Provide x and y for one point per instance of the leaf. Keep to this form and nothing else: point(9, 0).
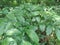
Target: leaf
point(11, 17)
point(42, 27)
point(12, 32)
point(21, 19)
point(34, 28)
point(49, 30)
point(25, 43)
point(8, 26)
point(38, 19)
point(2, 27)
point(33, 36)
point(9, 41)
point(58, 34)
point(4, 11)
point(57, 42)
point(35, 13)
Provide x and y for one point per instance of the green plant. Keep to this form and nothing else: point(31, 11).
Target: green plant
point(29, 24)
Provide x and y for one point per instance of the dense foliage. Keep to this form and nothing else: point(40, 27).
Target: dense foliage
point(29, 22)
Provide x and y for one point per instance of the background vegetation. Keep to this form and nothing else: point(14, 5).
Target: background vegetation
point(29, 22)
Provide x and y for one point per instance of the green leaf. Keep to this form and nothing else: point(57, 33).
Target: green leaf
point(57, 42)
point(11, 17)
point(35, 13)
point(34, 28)
point(25, 43)
point(58, 34)
point(38, 19)
point(49, 30)
point(42, 27)
point(33, 36)
point(8, 26)
point(4, 11)
point(12, 32)
point(2, 27)
point(9, 41)
point(21, 19)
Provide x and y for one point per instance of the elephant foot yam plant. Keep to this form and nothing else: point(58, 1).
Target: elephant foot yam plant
point(29, 24)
